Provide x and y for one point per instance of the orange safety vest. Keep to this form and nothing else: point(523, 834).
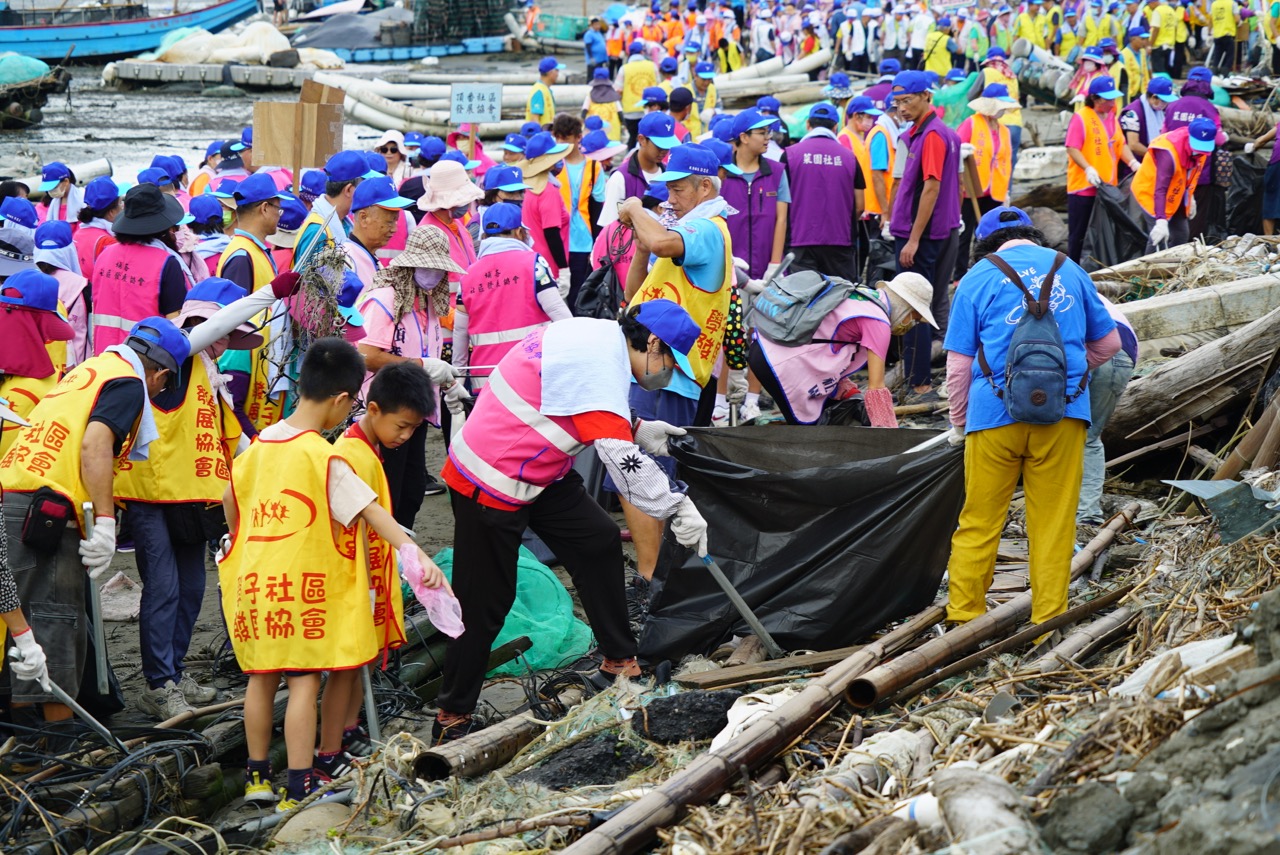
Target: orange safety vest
point(1101, 150)
point(870, 196)
point(1144, 183)
point(590, 173)
point(613, 44)
point(653, 33)
point(995, 166)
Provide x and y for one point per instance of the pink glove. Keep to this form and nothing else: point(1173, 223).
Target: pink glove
point(846, 389)
point(442, 607)
point(879, 404)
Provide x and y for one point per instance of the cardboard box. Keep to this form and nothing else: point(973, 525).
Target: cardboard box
point(301, 135)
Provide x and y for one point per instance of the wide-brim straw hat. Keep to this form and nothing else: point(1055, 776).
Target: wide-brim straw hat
point(427, 248)
point(448, 187)
point(992, 106)
point(539, 165)
point(915, 290)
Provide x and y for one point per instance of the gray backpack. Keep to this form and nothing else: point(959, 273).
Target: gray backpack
point(791, 308)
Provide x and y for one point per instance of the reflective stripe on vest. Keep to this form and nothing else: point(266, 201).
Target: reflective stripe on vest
point(995, 166)
point(126, 289)
point(504, 336)
point(1101, 150)
point(499, 296)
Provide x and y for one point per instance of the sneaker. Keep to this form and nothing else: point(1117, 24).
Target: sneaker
point(286, 804)
point(357, 742)
point(720, 416)
point(434, 487)
point(125, 546)
point(257, 789)
point(447, 728)
point(194, 692)
point(325, 769)
point(164, 703)
point(748, 413)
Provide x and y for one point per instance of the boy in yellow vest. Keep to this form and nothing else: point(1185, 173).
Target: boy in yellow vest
point(293, 595)
point(541, 104)
point(398, 401)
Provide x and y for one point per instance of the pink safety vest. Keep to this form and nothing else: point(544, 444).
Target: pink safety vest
point(461, 250)
point(809, 374)
point(71, 294)
point(502, 308)
point(87, 241)
point(399, 240)
point(507, 448)
point(361, 261)
point(185, 198)
point(126, 289)
point(42, 215)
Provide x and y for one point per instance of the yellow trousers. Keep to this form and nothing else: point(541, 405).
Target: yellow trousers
point(1050, 459)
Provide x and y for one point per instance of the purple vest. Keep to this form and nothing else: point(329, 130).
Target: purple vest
point(751, 229)
point(946, 212)
point(633, 177)
point(879, 93)
point(821, 174)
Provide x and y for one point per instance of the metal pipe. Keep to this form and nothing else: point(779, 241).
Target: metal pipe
point(882, 681)
point(370, 706)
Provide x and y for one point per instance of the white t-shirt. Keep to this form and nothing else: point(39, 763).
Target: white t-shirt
point(348, 495)
point(920, 26)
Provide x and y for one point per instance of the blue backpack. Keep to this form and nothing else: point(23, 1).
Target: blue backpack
point(1035, 367)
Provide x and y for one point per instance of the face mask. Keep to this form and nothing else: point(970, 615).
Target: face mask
point(655, 380)
point(426, 278)
point(459, 212)
point(900, 320)
point(58, 192)
point(226, 218)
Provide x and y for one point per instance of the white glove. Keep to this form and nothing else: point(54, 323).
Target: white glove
point(29, 660)
point(1159, 232)
point(771, 271)
point(741, 264)
point(1091, 175)
point(707, 114)
point(224, 546)
point(1249, 148)
point(737, 392)
point(1191, 208)
point(562, 283)
point(1079, 99)
point(441, 373)
point(689, 527)
point(652, 437)
point(966, 149)
point(955, 437)
point(961, 227)
point(1191, 42)
point(884, 231)
point(98, 550)
point(454, 396)
point(753, 286)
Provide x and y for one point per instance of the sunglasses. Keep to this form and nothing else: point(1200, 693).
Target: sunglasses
point(387, 149)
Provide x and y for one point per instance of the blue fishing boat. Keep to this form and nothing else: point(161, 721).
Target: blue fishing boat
point(101, 32)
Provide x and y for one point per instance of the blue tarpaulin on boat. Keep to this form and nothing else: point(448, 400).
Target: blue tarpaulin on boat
point(16, 68)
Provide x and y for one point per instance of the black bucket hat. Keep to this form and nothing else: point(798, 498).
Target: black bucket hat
point(147, 211)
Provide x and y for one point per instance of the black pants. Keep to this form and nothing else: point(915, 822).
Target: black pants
point(917, 344)
point(829, 259)
point(1162, 60)
point(1079, 212)
point(965, 241)
point(858, 62)
point(633, 131)
point(406, 469)
point(579, 270)
point(1224, 54)
point(485, 547)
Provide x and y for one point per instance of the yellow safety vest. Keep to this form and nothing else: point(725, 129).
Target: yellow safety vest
point(1164, 26)
point(292, 596)
point(608, 114)
point(693, 122)
point(261, 409)
point(709, 309)
point(936, 56)
point(23, 393)
point(1026, 27)
point(1067, 42)
point(548, 105)
point(372, 552)
point(995, 166)
point(1093, 32)
point(1223, 15)
point(47, 454)
point(191, 460)
point(1137, 70)
point(636, 77)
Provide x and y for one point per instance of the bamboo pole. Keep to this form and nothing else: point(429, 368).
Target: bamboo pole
point(882, 681)
point(1247, 448)
point(1083, 639)
point(708, 774)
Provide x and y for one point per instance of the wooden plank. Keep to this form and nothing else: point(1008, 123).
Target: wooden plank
point(765, 671)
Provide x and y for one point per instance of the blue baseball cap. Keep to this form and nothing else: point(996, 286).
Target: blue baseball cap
point(53, 234)
point(1162, 88)
point(890, 66)
point(245, 141)
point(657, 190)
point(1091, 53)
point(1069, 12)
point(1004, 217)
point(749, 120)
point(313, 183)
point(669, 65)
point(19, 211)
point(600, 73)
point(380, 191)
point(653, 95)
point(636, 47)
point(154, 175)
point(258, 187)
point(1139, 33)
point(690, 159)
point(509, 179)
point(724, 153)
point(550, 63)
point(514, 143)
point(659, 129)
point(944, 21)
point(528, 129)
point(292, 213)
point(597, 146)
point(1108, 44)
point(205, 207)
point(1202, 134)
point(374, 162)
point(159, 340)
point(722, 128)
point(705, 70)
point(348, 166)
point(768, 104)
point(217, 290)
point(593, 123)
point(543, 143)
point(432, 148)
point(1200, 73)
point(910, 82)
point(213, 148)
point(862, 104)
point(458, 157)
point(100, 193)
point(956, 74)
point(692, 47)
point(32, 289)
point(174, 162)
point(226, 188)
point(413, 139)
point(52, 175)
point(1105, 87)
point(999, 92)
point(995, 53)
point(823, 110)
point(670, 323)
point(500, 218)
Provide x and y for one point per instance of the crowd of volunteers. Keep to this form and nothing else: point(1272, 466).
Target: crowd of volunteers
point(612, 274)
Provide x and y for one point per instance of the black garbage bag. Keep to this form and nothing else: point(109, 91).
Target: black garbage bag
point(1113, 235)
point(827, 532)
point(1244, 197)
point(882, 261)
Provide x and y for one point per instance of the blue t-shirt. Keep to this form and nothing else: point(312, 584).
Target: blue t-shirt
point(594, 47)
point(879, 149)
point(986, 309)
